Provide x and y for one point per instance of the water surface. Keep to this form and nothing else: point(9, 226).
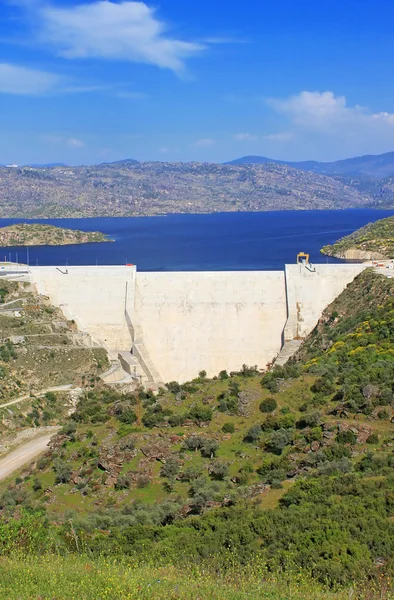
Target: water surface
point(221, 241)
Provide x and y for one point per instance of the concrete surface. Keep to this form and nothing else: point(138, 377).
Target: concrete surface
point(177, 324)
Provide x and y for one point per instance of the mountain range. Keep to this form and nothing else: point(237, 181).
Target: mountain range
point(252, 183)
point(370, 166)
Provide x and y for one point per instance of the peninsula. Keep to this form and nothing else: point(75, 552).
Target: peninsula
point(36, 234)
point(375, 240)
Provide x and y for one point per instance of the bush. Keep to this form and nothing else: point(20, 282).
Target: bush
point(37, 485)
point(200, 413)
point(170, 468)
point(62, 471)
point(268, 405)
point(218, 470)
point(253, 435)
point(279, 440)
point(228, 428)
point(223, 375)
point(209, 448)
point(373, 438)
point(128, 417)
point(347, 437)
point(383, 414)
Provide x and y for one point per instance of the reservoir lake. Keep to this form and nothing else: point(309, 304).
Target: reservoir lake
point(220, 241)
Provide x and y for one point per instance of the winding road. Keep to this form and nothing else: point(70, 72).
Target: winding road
point(24, 454)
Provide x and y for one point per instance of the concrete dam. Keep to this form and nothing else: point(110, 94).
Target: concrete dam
point(171, 325)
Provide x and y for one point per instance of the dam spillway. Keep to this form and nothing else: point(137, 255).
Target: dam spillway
point(176, 324)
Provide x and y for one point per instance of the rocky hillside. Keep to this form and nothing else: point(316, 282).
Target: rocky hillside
point(375, 240)
point(292, 468)
point(35, 234)
point(39, 350)
point(129, 188)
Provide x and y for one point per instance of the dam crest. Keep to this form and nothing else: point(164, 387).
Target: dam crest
point(168, 326)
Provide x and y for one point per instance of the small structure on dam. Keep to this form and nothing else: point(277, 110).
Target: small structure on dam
point(169, 326)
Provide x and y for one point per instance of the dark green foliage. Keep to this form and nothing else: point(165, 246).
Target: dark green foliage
point(218, 470)
point(128, 417)
point(324, 385)
point(268, 405)
point(373, 438)
point(253, 435)
point(228, 404)
point(279, 440)
point(346, 437)
point(170, 468)
point(223, 375)
point(228, 428)
point(209, 448)
point(173, 386)
point(62, 471)
point(7, 351)
point(199, 412)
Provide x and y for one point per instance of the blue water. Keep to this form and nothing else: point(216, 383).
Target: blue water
point(224, 241)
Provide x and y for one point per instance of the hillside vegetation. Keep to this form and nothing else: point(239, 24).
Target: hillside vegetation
point(290, 472)
point(137, 189)
point(35, 234)
point(375, 240)
point(39, 349)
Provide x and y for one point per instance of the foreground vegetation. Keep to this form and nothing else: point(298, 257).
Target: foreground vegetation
point(36, 234)
point(87, 578)
point(375, 240)
point(286, 477)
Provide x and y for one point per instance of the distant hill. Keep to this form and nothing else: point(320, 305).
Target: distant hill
point(129, 188)
point(369, 166)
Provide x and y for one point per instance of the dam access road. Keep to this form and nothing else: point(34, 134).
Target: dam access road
point(168, 326)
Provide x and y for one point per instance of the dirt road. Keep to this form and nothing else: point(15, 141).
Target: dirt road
point(23, 455)
point(56, 388)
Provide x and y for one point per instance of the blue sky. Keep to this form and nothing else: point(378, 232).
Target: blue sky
point(95, 81)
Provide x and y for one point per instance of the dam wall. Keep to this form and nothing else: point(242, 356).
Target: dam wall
point(195, 321)
point(94, 297)
point(309, 290)
point(179, 323)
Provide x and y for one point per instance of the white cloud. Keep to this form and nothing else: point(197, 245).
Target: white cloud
point(326, 112)
point(29, 82)
point(75, 143)
point(246, 137)
point(279, 137)
point(204, 143)
point(71, 142)
point(128, 31)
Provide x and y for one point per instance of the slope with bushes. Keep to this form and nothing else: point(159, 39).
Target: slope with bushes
point(292, 469)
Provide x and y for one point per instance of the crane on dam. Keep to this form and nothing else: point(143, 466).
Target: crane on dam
point(302, 258)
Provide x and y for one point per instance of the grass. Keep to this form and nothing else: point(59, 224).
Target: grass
point(75, 577)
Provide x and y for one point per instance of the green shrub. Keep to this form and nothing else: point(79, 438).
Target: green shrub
point(268, 405)
point(228, 428)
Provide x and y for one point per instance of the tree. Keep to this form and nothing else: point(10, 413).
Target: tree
point(223, 375)
point(218, 470)
point(268, 405)
point(201, 413)
point(279, 440)
point(62, 471)
point(128, 417)
point(253, 434)
point(170, 468)
point(209, 448)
